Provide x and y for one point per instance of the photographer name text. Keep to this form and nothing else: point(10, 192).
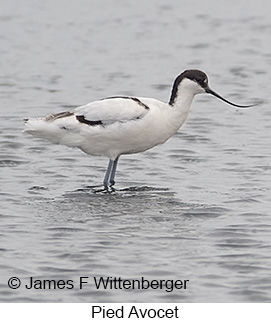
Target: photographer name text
point(99, 283)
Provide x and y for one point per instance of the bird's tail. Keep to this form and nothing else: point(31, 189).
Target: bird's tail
point(39, 127)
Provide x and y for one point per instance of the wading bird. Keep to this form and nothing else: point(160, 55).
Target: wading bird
point(120, 125)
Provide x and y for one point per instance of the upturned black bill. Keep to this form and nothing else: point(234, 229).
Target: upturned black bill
point(210, 91)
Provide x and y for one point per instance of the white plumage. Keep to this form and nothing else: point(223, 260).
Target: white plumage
point(122, 125)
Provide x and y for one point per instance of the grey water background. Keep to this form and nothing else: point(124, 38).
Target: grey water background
point(196, 208)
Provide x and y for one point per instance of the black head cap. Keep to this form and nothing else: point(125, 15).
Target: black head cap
point(193, 75)
point(196, 76)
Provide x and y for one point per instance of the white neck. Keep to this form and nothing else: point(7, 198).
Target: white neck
point(182, 102)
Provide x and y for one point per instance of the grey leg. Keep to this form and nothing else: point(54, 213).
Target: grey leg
point(108, 172)
point(113, 172)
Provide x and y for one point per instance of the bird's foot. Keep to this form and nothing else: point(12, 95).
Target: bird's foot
point(104, 189)
point(107, 188)
point(112, 183)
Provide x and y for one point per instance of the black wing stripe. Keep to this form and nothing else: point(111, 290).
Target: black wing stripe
point(89, 122)
point(129, 98)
